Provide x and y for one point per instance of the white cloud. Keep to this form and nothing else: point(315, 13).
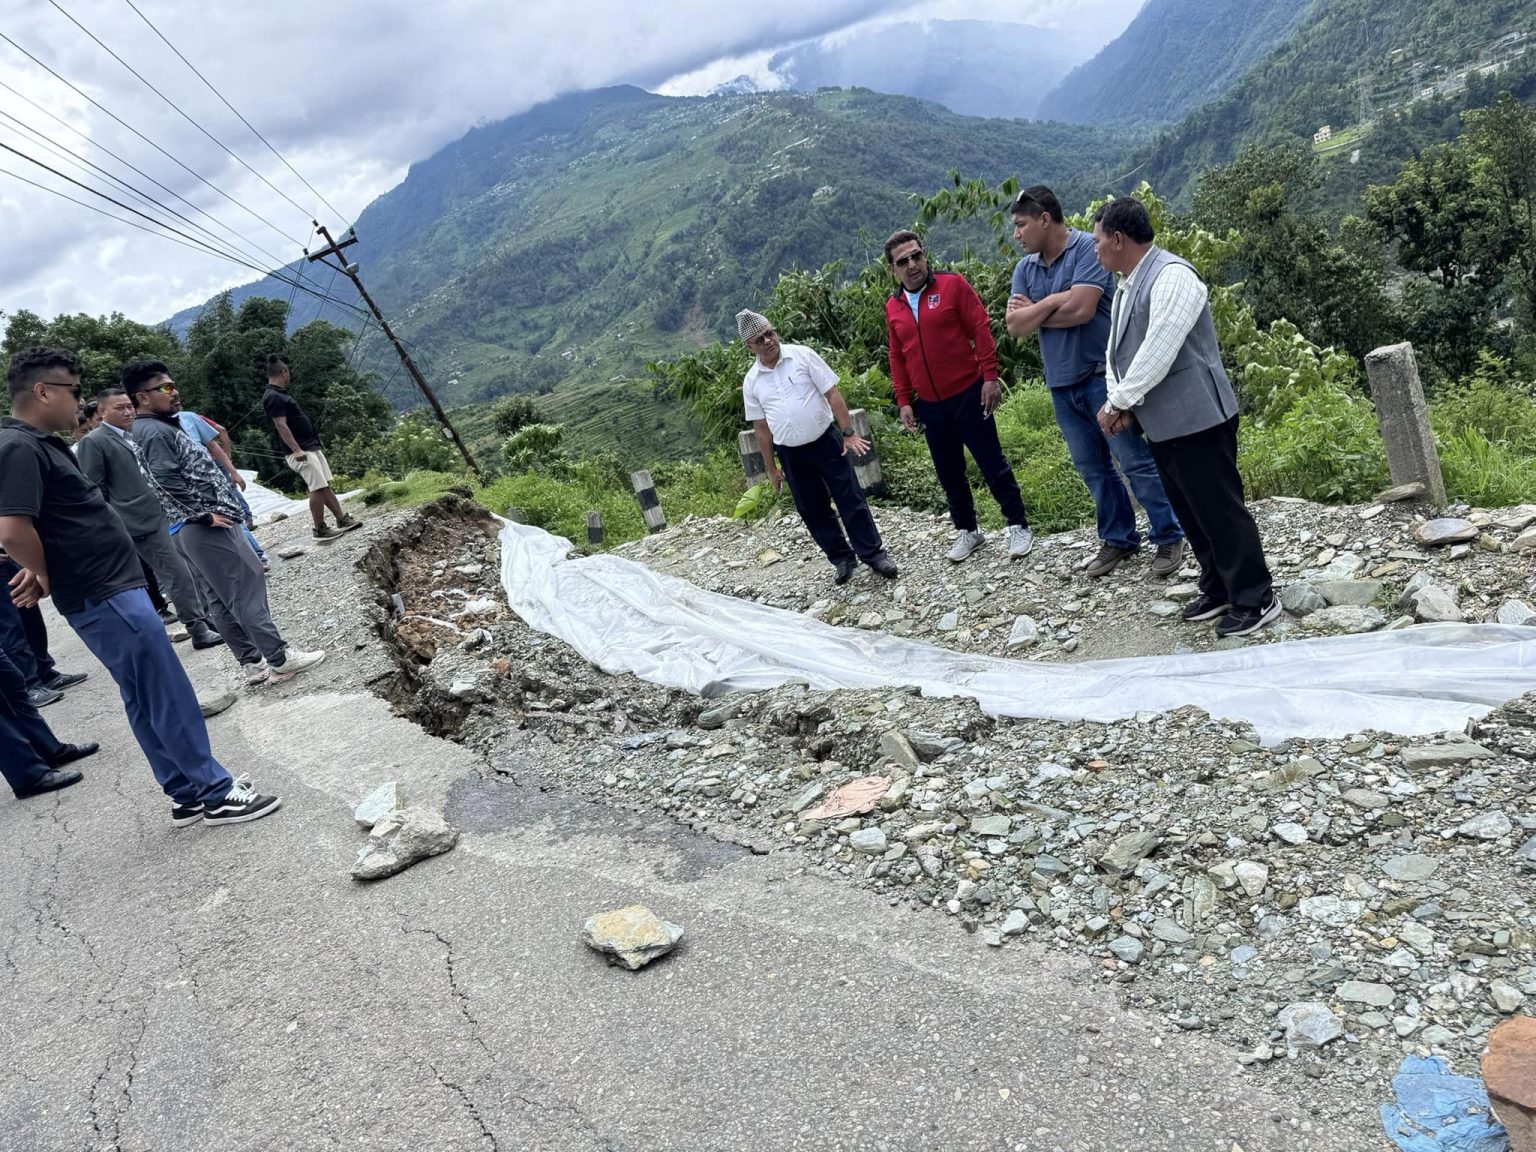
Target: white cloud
point(351, 92)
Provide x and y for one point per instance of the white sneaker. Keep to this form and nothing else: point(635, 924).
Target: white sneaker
point(294, 662)
point(966, 543)
point(256, 673)
point(1021, 538)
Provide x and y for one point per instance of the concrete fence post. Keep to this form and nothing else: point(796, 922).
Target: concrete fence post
point(594, 527)
point(867, 466)
point(650, 504)
point(752, 463)
point(1403, 419)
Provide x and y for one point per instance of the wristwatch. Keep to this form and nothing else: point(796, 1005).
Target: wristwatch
point(847, 432)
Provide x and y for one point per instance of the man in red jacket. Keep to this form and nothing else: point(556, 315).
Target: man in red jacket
point(944, 374)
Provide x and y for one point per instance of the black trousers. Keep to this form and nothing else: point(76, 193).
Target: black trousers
point(26, 743)
point(951, 427)
point(1200, 476)
point(23, 633)
point(819, 475)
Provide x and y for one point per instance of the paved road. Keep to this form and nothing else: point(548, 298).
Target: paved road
point(232, 988)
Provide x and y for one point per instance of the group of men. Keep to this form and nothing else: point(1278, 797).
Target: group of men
point(147, 491)
point(1136, 383)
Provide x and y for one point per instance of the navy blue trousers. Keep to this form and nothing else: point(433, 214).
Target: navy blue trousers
point(126, 634)
point(951, 427)
point(23, 634)
point(819, 475)
point(26, 743)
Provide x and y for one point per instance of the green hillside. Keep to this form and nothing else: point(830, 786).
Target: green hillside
point(1396, 74)
point(560, 250)
point(1173, 57)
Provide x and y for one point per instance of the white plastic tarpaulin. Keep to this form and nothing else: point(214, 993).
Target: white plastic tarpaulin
point(624, 617)
point(267, 505)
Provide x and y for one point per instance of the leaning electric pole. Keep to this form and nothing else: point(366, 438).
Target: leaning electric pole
point(333, 248)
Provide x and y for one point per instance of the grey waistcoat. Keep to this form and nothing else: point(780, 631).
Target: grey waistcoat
point(109, 460)
point(1195, 395)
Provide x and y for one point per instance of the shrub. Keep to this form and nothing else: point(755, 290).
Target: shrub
point(1324, 448)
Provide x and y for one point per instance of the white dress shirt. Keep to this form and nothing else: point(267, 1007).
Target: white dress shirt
point(1177, 298)
point(791, 396)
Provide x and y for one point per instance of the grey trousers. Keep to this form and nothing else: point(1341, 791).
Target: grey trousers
point(236, 590)
point(176, 579)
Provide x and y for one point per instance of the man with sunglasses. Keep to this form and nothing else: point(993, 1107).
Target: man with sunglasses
point(199, 498)
point(797, 414)
point(944, 373)
point(71, 545)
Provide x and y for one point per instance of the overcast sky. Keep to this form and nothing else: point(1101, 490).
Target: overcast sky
point(349, 91)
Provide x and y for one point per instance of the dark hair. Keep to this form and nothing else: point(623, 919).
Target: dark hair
point(88, 410)
point(275, 365)
point(1037, 201)
point(30, 363)
point(1128, 217)
point(138, 373)
point(107, 393)
point(906, 235)
point(81, 419)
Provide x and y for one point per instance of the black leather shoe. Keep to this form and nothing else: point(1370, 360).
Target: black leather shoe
point(69, 753)
point(844, 572)
point(204, 636)
point(52, 781)
point(884, 565)
point(63, 680)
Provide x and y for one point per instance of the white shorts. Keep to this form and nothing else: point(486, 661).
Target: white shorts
point(314, 468)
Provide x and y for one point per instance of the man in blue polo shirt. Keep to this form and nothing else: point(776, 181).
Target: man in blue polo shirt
point(1061, 291)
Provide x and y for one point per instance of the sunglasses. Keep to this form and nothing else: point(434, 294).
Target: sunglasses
point(763, 337)
point(911, 258)
point(74, 389)
point(165, 388)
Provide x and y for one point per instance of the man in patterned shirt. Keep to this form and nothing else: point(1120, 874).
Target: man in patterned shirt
point(197, 496)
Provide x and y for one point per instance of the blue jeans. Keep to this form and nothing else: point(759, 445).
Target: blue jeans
point(126, 634)
point(23, 634)
point(1095, 455)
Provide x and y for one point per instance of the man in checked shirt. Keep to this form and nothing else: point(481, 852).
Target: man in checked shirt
point(1165, 376)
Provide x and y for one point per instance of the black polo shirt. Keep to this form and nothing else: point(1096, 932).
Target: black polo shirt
point(279, 403)
point(90, 554)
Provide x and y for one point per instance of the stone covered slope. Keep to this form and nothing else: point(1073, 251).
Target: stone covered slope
point(1323, 907)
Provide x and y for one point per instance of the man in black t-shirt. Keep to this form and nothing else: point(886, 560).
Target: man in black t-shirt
point(305, 456)
point(71, 545)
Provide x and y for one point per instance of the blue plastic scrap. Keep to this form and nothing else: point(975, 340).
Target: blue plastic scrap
point(1439, 1112)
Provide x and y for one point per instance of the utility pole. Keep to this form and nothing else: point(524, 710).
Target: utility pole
point(334, 248)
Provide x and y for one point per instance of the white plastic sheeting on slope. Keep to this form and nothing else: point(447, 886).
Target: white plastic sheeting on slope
point(266, 504)
point(623, 617)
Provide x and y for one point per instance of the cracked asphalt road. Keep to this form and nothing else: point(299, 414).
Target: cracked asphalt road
point(232, 988)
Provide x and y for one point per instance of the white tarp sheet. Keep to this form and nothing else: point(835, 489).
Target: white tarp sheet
point(623, 617)
point(267, 505)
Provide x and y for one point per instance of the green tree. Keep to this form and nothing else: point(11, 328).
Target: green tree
point(510, 413)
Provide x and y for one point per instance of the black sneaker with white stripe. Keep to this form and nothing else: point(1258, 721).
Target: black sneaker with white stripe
point(241, 806)
point(184, 814)
point(1245, 621)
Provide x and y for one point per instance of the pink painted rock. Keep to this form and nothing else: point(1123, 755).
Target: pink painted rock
point(1509, 1072)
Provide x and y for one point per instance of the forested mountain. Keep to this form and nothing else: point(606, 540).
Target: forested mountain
point(1174, 56)
point(1386, 77)
point(938, 60)
point(567, 246)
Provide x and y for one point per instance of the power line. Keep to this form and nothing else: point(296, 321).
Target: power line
point(139, 171)
point(88, 166)
point(108, 112)
point(200, 244)
point(177, 108)
point(233, 109)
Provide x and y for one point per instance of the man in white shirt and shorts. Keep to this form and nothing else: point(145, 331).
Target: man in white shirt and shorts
point(800, 418)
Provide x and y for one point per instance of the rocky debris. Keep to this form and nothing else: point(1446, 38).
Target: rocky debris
point(1301, 599)
point(1344, 620)
point(631, 937)
point(400, 839)
point(1435, 604)
point(1516, 612)
point(1309, 1025)
point(291, 552)
point(1005, 826)
point(1025, 632)
point(1398, 493)
point(211, 706)
point(1349, 593)
point(379, 803)
point(1447, 530)
point(1509, 1073)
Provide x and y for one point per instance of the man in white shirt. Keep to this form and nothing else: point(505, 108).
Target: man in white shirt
point(797, 413)
point(1165, 375)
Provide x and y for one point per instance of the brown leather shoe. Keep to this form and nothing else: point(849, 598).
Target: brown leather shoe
point(1108, 559)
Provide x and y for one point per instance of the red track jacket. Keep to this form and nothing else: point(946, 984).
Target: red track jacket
point(949, 350)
